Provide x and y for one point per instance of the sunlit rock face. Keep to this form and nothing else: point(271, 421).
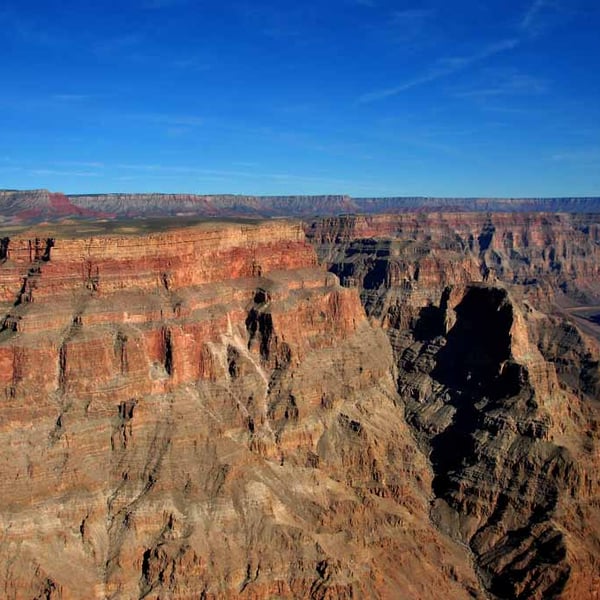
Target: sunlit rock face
point(499, 389)
point(208, 412)
point(205, 413)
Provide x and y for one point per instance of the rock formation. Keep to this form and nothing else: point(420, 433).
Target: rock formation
point(501, 393)
point(37, 205)
point(204, 413)
point(208, 412)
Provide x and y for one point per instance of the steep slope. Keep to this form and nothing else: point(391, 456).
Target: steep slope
point(204, 412)
point(502, 395)
point(37, 205)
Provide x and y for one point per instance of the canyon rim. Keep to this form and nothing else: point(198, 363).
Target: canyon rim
point(398, 405)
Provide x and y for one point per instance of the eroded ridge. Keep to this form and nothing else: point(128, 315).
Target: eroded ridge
point(205, 413)
point(499, 387)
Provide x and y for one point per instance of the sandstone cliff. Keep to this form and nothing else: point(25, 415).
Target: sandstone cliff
point(205, 412)
point(500, 388)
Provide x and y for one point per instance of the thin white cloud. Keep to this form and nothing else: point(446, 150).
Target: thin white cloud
point(505, 84)
point(71, 97)
point(248, 165)
point(55, 172)
point(155, 168)
point(169, 119)
point(117, 45)
point(530, 16)
point(77, 163)
point(444, 68)
point(413, 14)
point(21, 26)
point(158, 4)
point(173, 171)
point(544, 14)
point(191, 63)
point(583, 156)
point(408, 27)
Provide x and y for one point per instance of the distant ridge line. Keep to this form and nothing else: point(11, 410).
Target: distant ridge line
point(35, 205)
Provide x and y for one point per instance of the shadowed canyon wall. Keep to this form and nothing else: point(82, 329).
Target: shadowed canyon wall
point(500, 389)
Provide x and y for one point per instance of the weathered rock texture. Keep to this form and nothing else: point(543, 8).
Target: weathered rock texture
point(501, 394)
point(206, 413)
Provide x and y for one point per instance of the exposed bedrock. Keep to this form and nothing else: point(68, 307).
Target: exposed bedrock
point(501, 395)
point(205, 414)
point(413, 255)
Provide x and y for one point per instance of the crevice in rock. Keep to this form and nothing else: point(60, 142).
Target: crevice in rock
point(478, 344)
point(123, 432)
point(91, 276)
point(4, 245)
point(47, 249)
point(120, 349)
point(167, 350)
point(484, 239)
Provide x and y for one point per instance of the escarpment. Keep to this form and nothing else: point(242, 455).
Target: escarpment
point(205, 412)
point(35, 205)
point(499, 387)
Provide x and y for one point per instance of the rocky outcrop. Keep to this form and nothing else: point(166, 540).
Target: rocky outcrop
point(38, 205)
point(415, 257)
point(204, 412)
point(499, 393)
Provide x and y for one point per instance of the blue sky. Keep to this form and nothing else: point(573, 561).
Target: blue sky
point(364, 97)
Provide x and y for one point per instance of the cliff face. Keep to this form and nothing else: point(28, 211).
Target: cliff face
point(415, 256)
point(204, 412)
point(500, 390)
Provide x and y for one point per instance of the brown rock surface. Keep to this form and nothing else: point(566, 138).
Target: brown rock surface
point(205, 412)
point(500, 389)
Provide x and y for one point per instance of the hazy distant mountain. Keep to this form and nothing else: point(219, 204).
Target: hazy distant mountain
point(34, 205)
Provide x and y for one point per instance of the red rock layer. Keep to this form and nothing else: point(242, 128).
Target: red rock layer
point(204, 412)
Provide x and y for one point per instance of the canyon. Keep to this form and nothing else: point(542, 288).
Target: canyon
point(363, 406)
point(499, 386)
point(39, 205)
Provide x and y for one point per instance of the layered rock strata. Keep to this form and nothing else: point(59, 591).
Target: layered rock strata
point(42, 204)
point(500, 393)
point(204, 413)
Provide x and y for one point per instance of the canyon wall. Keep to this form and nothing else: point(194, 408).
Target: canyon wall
point(205, 412)
point(37, 205)
point(363, 406)
point(499, 387)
